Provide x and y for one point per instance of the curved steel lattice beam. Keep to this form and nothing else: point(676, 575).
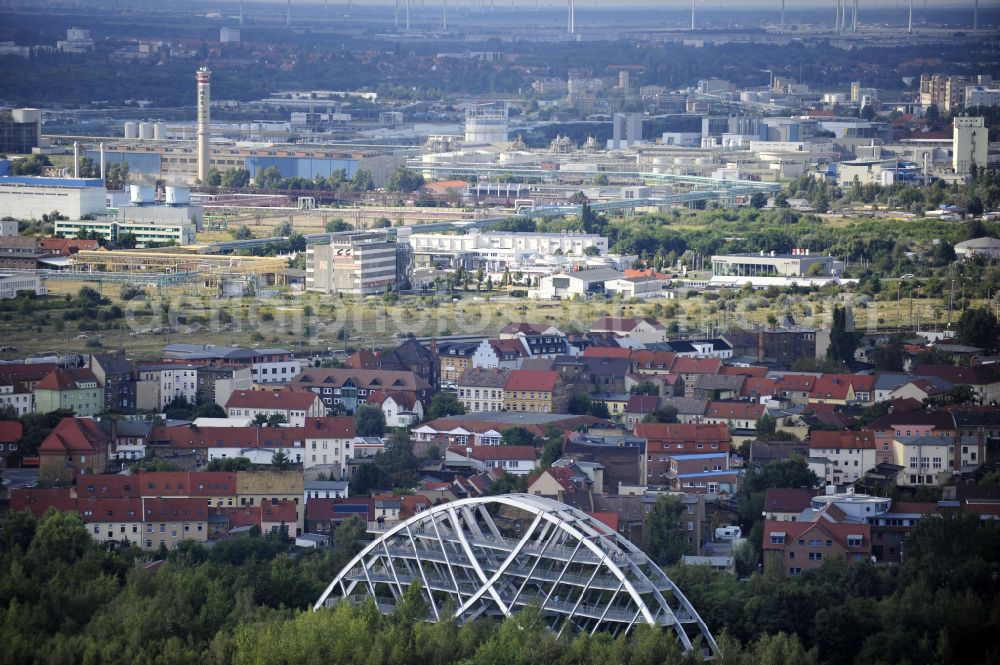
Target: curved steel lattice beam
point(495, 555)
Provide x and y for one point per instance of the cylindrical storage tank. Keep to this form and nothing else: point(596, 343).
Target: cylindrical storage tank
point(145, 130)
point(178, 195)
point(142, 193)
point(131, 130)
point(159, 131)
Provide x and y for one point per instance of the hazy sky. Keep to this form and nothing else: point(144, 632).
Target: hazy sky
point(708, 4)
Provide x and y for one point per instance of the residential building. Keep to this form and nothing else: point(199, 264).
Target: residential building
point(330, 442)
point(515, 460)
point(324, 489)
point(645, 330)
point(17, 396)
point(128, 439)
point(920, 423)
point(161, 384)
point(638, 407)
point(843, 389)
point(272, 487)
point(535, 392)
point(258, 444)
point(666, 440)
point(76, 446)
point(11, 432)
point(702, 473)
point(503, 353)
point(845, 456)
point(778, 348)
point(482, 389)
point(806, 545)
point(401, 409)
point(925, 459)
point(73, 389)
point(786, 504)
point(739, 415)
point(356, 264)
point(455, 358)
point(351, 387)
point(118, 376)
point(294, 405)
point(268, 365)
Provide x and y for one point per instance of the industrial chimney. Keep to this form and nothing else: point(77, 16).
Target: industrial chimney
point(204, 78)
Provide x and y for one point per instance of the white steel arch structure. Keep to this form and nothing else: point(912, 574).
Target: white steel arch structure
point(495, 555)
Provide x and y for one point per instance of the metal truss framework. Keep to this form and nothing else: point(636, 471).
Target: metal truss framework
point(492, 556)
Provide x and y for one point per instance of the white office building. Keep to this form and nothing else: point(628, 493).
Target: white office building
point(13, 282)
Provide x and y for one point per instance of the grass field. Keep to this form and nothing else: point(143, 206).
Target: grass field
point(312, 322)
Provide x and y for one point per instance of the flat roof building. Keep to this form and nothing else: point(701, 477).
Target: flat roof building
point(25, 197)
point(800, 263)
point(358, 264)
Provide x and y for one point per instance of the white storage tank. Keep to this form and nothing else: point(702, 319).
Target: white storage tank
point(139, 194)
point(131, 130)
point(145, 130)
point(159, 131)
point(178, 195)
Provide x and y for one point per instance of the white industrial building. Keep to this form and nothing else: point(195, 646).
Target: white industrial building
point(799, 263)
point(25, 197)
point(13, 282)
point(175, 221)
point(970, 143)
point(496, 250)
point(581, 283)
point(358, 264)
point(486, 123)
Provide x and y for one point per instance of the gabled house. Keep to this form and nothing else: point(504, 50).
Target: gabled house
point(516, 460)
point(665, 440)
point(294, 405)
point(401, 409)
point(351, 387)
point(843, 389)
point(499, 353)
point(535, 392)
point(739, 415)
point(75, 446)
point(785, 504)
point(645, 330)
point(804, 545)
point(454, 358)
point(330, 442)
point(841, 457)
point(75, 389)
point(482, 389)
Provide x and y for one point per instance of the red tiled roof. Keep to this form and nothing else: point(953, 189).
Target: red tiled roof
point(26, 372)
point(836, 532)
point(607, 518)
point(830, 414)
point(687, 365)
point(328, 509)
point(362, 360)
point(37, 500)
point(158, 483)
point(835, 386)
point(642, 403)
point(10, 431)
point(682, 432)
point(653, 360)
point(283, 511)
point(403, 399)
point(787, 500)
point(742, 371)
point(67, 246)
point(330, 427)
point(117, 509)
point(974, 376)
point(174, 509)
point(539, 381)
point(607, 352)
point(849, 440)
point(734, 410)
point(65, 379)
point(509, 346)
point(298, 400)
point(76, 435)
